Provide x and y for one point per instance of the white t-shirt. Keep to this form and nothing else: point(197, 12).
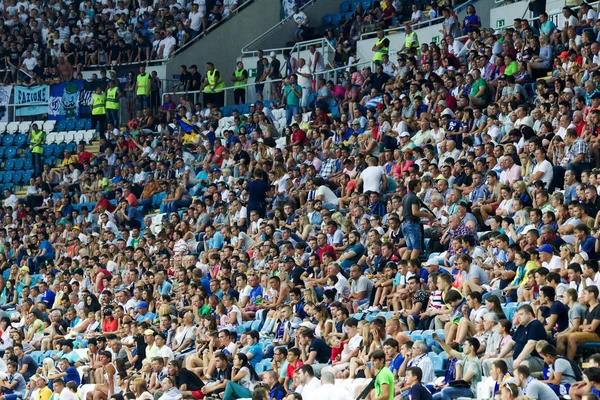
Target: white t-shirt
point(66, 394)
point(546, 168)
point(195, 21)
point(165, 351)
point(328, 195)
point(554, 264)
point(303, 81)
point(371, 178)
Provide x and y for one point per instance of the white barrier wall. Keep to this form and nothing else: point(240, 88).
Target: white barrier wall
point(427, 34)
point(504, 15)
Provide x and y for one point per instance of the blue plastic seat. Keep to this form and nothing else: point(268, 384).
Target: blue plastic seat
point(11, 152)
point(80, 125)
point(2, 180)
point(336, 19)
point(27, 175)
point(19, 164)
point(70, 125)
point(18, 177)
point(158, 198)
point(28, 164)
point(9, 165)
point(344, 6)
point(510, 309)
point(326, 20)
point(21, 140)
point(2, 149)
point(8, 140)
point(9, 177)
point(366, 4)
point(88, 123)
point(61, 126)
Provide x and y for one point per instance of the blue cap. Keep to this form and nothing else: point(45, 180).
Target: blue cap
point(545, 248)
point(142, 304)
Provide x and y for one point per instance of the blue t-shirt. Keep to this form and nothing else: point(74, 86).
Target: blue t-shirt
point(142, 318)
point(165, 288)
point(49, 249)
point(72, 375)
point(395, 364)
point(589, 246)
point(48, 297)
point(257, 353)
point(254, 293)
point(359, 250)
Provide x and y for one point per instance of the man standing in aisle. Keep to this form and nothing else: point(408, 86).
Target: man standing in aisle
point(292, 94)
point(213, 86)
point(240, 79)
point(99, 110)
point(411, 218)
point(305, 82)
point(142, 89)
point(113, 94)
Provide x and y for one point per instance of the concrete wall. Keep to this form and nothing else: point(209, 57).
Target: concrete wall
point(223, 45)
point(280, 37)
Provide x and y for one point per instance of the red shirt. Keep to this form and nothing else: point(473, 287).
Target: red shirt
point(132, 200)
point(84, 156)
point(299, 136)
point(451, 102)
point(326, 249)
point(291, 368)
point(579, 128)
point(107, 205)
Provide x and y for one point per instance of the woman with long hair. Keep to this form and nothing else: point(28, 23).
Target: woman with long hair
point(243, 379)
point(140, 389)
point(492, 304)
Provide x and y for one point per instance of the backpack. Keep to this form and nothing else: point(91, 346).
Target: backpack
point(578, 373)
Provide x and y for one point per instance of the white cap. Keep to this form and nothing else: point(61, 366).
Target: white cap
point(448, 111)
point(273, 54)
point(405, 134)
point(308, 325)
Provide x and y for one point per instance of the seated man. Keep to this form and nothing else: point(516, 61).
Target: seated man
point(589, 330)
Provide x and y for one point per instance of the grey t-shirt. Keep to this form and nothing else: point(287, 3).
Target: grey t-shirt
point(564, 366)
point(476, 272)
point(577, 311)
point(537, 390)
point(473, 367)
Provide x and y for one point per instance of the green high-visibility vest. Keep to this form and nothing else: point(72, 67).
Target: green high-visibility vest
point(98, 104)
point(111, 99)
point(242, 83)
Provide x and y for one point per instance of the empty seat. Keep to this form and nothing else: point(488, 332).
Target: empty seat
point(9, 165)
point(24, 127)
point(21, 140)
point(60, 137)
point(18, 177)
point(8, 177)
point(61, 126)
point(79, 136)
point(50, 137)
point(88, 136)
point(8, 140)
point(70, 137)
point(49, 126)
point(3, 127)
point(19, 164)
point(12, 127)
point(11, 152)
point(70, 125)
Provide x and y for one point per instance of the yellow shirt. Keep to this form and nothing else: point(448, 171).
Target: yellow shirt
point(103, 183)
point(44, 394)
point(69, 161)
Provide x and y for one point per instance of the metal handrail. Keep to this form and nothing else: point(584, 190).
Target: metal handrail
point(418, 25)
point(316, 74)
point(279, 24)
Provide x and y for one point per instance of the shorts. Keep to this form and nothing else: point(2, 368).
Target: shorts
point(260, 87)
point(305, 96)
point(197, 394)
point(412, 235)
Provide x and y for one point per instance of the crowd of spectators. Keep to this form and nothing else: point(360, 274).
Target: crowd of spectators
point(458, 177)
point(53, 41)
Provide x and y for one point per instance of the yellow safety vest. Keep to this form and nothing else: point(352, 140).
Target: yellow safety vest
point(379, 53)
point(111, 99)
point(98, 104)
point(37, 136)
point(143, 85)
point(412, 40)
point(210, 75)
point(238, 73)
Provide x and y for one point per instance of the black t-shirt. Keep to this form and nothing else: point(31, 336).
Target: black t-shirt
point(419, 392)
point(242, 155)
point(14, 57)
point(322, 349)
point(114, 52)
point(590, 316)
point(532, 331)
point(407, 202)
point(510, 266)
point(296, 275)
point(379, 81)
point(196, 80)
point(562, 311)
point(190, 379)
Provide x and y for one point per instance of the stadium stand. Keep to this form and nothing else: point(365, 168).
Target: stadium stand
point(419, 225)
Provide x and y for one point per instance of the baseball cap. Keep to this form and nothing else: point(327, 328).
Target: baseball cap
point(287, 259)
point(405, 134)
point(563, 54)
point(142, 304)
point(273, 54)
point(149, 332)
point(545, 248)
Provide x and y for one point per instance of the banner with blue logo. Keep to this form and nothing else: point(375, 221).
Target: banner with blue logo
point(65, 100)
point(31, 100)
